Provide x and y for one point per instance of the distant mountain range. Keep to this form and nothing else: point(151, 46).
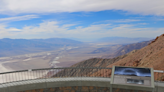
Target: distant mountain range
point(130, 47)
point(122, 40)
point(12, 47)
point(118, 50)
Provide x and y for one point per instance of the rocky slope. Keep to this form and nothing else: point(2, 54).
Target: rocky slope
point(93, 62)
point(100, 62)
point(150, 56)
point(128, 48)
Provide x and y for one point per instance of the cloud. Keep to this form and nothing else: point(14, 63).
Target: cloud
point(51, 29)
point(145, 7)
point(120, 21)
point(127, 20)
point(5, 33)
point(18, 18)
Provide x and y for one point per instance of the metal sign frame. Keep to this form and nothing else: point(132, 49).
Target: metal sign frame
point(131, 86)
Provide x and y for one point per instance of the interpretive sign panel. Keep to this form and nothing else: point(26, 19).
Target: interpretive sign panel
point(132, 77)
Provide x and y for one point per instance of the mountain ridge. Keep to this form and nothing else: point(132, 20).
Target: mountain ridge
point(122, 40)
point(13, 47)
point(119, 50)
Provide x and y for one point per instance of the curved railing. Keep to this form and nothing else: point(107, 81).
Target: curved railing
point(59, 77)
point(45, 73)
point(62, 73)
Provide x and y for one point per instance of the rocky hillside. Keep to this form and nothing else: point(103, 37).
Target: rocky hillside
point(93, 62)
point(128, 48)
point(100, 62)
point(150, 56)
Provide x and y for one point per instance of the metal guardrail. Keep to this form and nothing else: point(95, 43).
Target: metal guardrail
point(64, 72)
point(31, 74)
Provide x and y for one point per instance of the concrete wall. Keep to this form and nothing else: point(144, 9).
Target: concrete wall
point(56, 83)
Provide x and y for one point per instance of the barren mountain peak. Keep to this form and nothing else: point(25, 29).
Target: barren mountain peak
point(160, 37)
point(149, 56)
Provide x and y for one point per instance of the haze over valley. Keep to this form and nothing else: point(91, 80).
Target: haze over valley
point(62, 33)
point(56, 52)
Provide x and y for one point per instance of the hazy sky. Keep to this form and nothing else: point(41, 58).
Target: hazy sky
point(81, 19)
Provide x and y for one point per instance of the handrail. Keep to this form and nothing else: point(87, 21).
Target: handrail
point(21, 75)
point(57, 68)
point(159, 71)
point(63, 72)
